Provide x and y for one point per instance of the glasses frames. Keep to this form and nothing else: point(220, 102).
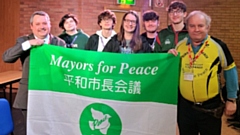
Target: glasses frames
point(177, 12)
point(130, 21)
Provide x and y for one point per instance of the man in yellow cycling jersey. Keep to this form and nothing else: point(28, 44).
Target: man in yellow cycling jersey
point(202, 58)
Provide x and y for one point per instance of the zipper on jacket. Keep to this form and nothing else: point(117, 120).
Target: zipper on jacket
point(192, 84)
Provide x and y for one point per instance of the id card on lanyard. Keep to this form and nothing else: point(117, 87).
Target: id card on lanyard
point(153, 44)
point(188, 74)
point(71, 45)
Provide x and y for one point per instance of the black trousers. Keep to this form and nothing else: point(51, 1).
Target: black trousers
point(193, 122)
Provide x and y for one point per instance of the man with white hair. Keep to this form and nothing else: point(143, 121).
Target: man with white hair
point(202, 59)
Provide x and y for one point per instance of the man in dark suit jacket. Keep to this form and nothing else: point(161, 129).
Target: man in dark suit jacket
point(40, 26)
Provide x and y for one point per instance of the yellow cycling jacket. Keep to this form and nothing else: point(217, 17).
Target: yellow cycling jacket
point(200, 81)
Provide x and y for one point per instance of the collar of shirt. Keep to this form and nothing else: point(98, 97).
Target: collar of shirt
point(196, 48)
point(46, 39)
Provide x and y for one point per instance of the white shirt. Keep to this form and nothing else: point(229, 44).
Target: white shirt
point(26, 45)
point(102, 41)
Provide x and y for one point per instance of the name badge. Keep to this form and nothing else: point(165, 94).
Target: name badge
point(188, 76)
point(74, 45)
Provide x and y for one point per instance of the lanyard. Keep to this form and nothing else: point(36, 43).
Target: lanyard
point(74, 39)
point(191, 60)
point(152, 45)
point(103, 45)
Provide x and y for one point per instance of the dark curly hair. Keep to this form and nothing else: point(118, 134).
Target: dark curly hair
point(109, 14)
point(65, 17)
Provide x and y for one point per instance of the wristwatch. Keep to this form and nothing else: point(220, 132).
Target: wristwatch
point(231, 100)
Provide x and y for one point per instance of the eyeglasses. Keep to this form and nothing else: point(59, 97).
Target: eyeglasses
point(130, 21)
point(177, 12)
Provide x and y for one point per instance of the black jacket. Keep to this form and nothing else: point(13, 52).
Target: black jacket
point(114, 45)
point(92, 43)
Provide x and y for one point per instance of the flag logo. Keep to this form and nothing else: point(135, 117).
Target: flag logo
point(100, 119)
point(167, 41)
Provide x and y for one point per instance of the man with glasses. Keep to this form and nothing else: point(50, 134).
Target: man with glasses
point(176, 31)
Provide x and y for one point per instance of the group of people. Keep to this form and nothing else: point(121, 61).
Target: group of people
point(203, 57)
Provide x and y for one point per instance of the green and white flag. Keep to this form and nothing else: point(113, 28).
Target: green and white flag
point(78, 92)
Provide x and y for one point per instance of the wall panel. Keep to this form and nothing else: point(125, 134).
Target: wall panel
point(9, 25)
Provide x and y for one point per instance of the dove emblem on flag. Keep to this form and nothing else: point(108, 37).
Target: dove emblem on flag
point(101, 121)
